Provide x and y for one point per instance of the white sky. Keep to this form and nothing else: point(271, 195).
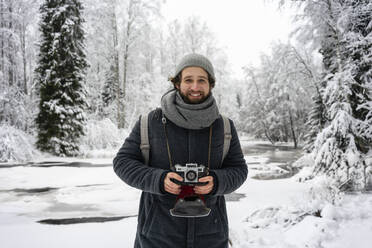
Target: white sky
point(245, 28)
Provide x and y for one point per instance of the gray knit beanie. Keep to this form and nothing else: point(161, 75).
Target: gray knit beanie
point(197, 60)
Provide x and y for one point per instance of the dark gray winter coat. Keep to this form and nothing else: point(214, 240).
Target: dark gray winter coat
point(156, 227)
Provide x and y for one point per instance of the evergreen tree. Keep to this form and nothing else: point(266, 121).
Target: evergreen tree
point(110, 92)
point(316, 121)
point(61, 76)
point(109, 86)
point(358, 47)
point(340, 149)
point(335, 149)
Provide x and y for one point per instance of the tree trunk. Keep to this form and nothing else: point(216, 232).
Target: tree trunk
point(2, 35)
point(11, 48)
point(162, 55)
point(125, 70)
point(292, 129)
point(116, 65)
point(266, 130)
point(23, 47)
point(285, 137)
point(126, 57)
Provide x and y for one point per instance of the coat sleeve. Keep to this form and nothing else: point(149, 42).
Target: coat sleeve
point(234, 170)
point(129, 165)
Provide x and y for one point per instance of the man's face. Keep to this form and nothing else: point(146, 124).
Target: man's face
point(194, 87)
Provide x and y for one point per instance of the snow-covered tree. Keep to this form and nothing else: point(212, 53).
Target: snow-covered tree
point(61, 77)
point(175, 48)
point(133, 22)
point(316, 120)
point(102, 42)
point(358, 54)
point(121, 45)
point(278, 95)
point(341, 30)
point(335, 149)
point(195, 34)
point(18, 21)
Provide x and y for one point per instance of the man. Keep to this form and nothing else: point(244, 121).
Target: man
point(187, 129)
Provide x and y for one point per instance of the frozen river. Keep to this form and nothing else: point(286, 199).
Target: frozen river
point(80, 192)
point(87, 196)
point(68, 203)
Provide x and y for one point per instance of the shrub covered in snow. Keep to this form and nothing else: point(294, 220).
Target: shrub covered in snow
point(305, 165)
point(321, 193)
point(306, 160)
point(101, 135)
point(16, 145)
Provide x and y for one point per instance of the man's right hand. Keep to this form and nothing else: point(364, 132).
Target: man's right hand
point(170, 186)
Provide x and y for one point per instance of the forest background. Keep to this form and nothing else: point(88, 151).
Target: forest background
point(314, 91)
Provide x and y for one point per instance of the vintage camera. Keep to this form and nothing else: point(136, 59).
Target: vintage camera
point(191, 172)
point(188, 203)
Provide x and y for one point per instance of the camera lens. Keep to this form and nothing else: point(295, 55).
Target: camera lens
point(191, 175)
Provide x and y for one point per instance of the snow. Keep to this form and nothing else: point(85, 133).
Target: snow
point(350, 224)
point(312, 231)
point(114, 234)
point(281, 213)
point(269, 205)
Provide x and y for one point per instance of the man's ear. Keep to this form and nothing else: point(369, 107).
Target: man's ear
point(177, 85)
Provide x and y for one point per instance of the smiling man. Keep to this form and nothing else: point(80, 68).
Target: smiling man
point(187, 130)
point(195, 86)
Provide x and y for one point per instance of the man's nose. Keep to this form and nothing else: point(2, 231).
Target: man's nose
point(195, 85)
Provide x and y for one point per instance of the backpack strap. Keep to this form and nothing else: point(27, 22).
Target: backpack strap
point(145, 145)
point(227, 137)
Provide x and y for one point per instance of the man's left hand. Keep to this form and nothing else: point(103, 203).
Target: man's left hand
point(205, 189)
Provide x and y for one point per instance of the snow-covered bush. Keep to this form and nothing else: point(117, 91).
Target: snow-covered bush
point(315, 201)
point(321, 193)
point(305, 165)
point(321, 200)
point(283, 216)
point(306, 160)
point(16, 145)
point(102, 134)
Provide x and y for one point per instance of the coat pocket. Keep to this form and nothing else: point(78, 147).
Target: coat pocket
point(210, 224)
point(161, 223)
point(148, 219)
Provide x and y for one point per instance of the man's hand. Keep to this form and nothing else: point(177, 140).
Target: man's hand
point(170, 186)
point(205, 189)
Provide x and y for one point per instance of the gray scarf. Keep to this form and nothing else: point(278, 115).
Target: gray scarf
point(189, 116)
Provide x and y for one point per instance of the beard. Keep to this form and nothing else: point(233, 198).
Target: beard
point(187, 100)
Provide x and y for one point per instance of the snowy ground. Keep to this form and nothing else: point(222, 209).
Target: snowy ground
point(272, 213)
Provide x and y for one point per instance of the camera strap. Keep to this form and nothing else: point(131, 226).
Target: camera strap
point(164, 121)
